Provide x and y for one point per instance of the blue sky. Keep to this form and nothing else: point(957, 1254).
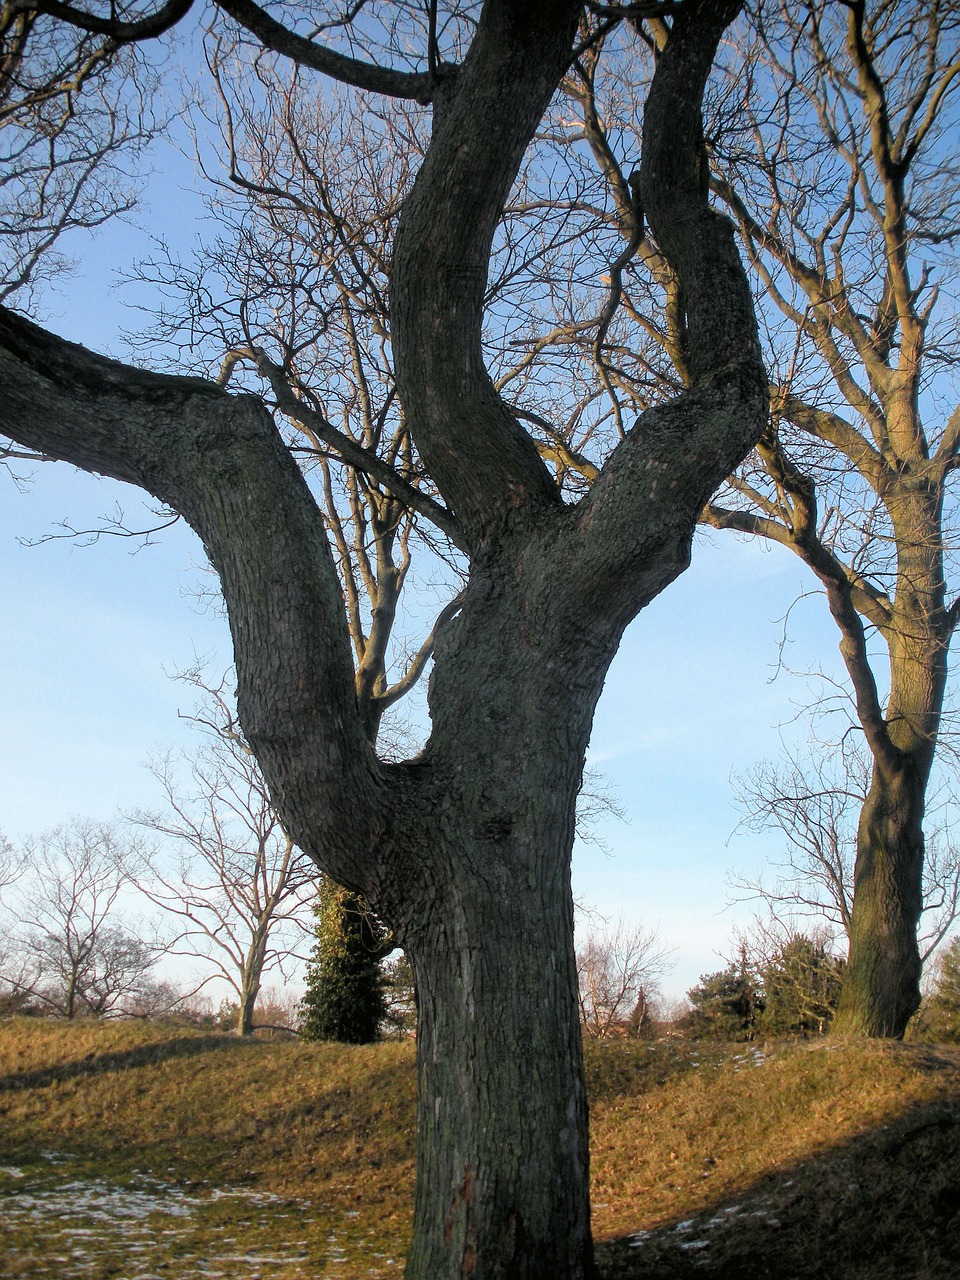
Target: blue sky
point(89, 637)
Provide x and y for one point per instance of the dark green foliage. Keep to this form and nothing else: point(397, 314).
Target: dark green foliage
point(345, 999)
point(727, 1004)
point(784, 988)
point(941, 1015)
point(227, 1015)
point(401, 997)
point(801, 987)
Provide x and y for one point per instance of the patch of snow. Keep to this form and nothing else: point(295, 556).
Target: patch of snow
point(88, 1217)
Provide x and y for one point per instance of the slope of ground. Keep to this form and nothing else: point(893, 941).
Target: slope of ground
point(143, 1151)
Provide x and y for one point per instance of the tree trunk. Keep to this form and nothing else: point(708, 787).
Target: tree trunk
point(483, 907)
point(250, 985)
point(248, 999)
point(881, 985)
point(70, 1008)
point(881, 990)
point(502, 1154)
point(502, 1145)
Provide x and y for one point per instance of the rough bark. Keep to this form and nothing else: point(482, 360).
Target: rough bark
point(494, 1199)
point(464, 851)
point(499, 1055)
point(881, 984)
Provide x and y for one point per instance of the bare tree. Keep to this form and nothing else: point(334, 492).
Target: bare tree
point(828, 146)
point(11, 863)
point(816, 807)
point(239, 889)
point(847, 197)
point(11, 868)
point(619, 973)
point(75, 950)
point(465, 849)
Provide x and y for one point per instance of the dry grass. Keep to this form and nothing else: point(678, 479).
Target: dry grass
point(795, 1161)
point(791, 1161)
point(326, 1129)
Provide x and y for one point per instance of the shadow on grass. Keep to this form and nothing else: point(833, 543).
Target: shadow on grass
point(884, 1205)
point(94, 1064)
point(622, 1068)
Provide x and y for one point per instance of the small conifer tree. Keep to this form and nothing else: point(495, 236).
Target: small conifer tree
point(802, 981)
point(344, 1000)
point(727, 1004)
point(942, 1012)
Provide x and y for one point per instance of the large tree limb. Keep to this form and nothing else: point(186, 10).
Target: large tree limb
point(219, 461)
point(484, 463)
point(308, 53)
point(834, 430)
point(146, 28)
point(660, 476)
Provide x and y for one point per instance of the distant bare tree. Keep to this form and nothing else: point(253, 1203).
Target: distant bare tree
point(830, 146)
point(619, 973)
point(75, 117)
point(845, 188)
point(11, 867)
point(815, 802)
point(74, 951)
point(11, 863)
point(238, 882)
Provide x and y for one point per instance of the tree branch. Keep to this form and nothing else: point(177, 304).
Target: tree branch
point(832, 429)
point(483, 462)
point(362, 75)
point(195, 447)
point(356, 455)
point(663, 472)
point(153, 25)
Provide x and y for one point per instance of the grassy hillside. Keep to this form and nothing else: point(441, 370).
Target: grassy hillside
point(133, 1150)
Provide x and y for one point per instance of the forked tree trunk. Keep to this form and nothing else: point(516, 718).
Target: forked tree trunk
point(881, 986)
point(465, 850)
